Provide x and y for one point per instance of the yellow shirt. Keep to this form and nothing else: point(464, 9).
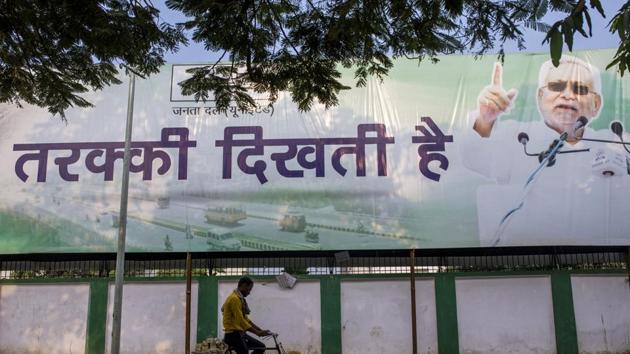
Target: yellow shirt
point(233, 317)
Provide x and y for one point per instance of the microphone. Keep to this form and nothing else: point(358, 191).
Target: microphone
point(617, 128)
point(523, 138)
point(580, 123)
point(551, 152)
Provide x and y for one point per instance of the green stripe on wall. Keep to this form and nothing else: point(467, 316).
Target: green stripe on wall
point(446, 313)
point(207, 307)
point(563, 313)
point(97, 317)
point(330, 292)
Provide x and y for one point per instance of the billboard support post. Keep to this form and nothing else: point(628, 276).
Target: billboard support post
point(188, 294)
point(122, 227)
point(413, 301)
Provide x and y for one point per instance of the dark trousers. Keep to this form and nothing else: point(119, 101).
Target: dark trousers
point(242, 343)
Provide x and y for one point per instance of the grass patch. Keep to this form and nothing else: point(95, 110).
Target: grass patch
point(20, 233)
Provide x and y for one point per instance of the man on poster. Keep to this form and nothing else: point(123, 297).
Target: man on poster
point(568, 202)
point(565, 93)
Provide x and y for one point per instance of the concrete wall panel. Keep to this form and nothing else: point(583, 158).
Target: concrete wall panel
point(153, 318)
point(505, 315)
point(46, 318)
point(602, 313)
point(376, 316)
point(293, 313)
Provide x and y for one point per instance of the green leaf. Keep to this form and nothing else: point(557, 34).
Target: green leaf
point(555, 46)
point(598, 5)
point(567, 31)
point(588, 23)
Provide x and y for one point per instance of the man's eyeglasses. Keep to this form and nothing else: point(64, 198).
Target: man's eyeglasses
point(559, 86)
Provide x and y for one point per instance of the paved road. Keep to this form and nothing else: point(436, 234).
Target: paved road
point(95, 214)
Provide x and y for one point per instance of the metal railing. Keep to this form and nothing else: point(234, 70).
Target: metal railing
point(173, 264)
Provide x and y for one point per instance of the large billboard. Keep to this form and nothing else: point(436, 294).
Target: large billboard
point(462, 153)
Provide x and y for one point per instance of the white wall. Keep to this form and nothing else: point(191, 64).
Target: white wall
point(495, 315)
point(46, 318)
point(602, 313)
point(153, 318)
point(376, 316)
point(293, 313)
point(505, 315)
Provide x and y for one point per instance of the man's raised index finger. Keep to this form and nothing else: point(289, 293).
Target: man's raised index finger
point(497, 75)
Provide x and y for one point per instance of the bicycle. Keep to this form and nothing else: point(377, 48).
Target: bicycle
point(277, 346)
